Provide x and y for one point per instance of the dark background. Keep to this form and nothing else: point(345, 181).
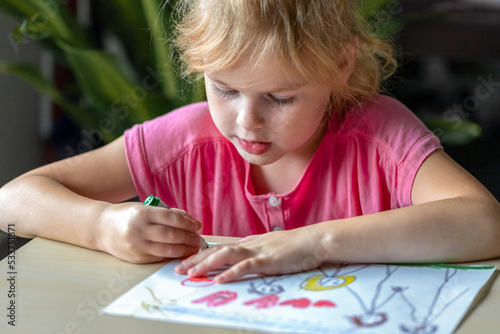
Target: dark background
point(449, 49)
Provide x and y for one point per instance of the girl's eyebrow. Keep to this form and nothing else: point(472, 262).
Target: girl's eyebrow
point(218, 81)
point(275, 89)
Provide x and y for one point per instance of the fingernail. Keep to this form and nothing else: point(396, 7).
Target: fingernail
point(192, 271)
point(220, 278)
point(195, 240)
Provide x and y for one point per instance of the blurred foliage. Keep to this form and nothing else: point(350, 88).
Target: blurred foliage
point(112, 88)
point(454, 133)
point(382, 16)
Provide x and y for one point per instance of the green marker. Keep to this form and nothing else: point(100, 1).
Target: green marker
point(155, 201)
point(152, 200)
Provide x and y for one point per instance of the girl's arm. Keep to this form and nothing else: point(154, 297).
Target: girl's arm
point(70, 200)
point(453, 219)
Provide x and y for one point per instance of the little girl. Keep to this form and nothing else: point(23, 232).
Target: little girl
point(294, 140)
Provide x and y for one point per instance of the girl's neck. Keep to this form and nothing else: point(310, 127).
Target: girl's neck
point(282, 176)
point(274, 179)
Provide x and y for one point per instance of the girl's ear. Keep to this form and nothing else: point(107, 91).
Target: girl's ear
point(347, 62)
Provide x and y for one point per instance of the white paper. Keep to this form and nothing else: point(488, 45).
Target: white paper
point(335, 299)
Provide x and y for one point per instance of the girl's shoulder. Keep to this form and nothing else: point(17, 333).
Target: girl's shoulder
point(380, 117)
point(183, 122)
point(190, 124)
point(386, 123)
point(376, 113)
point(169, 136)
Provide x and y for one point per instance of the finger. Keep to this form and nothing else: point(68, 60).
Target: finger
point(248, 266)
point(166, 234)
point(227, 255)
point(171, 251)
point(188, 216)
point(173, 218)
point(193, 260)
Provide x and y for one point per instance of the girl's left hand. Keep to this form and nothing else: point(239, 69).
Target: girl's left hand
point(273, 253)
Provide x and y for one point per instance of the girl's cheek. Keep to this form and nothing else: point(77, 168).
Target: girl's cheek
point(280, 122)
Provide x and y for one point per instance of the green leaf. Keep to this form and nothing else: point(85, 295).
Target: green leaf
point(382, 16)
point(130, 28)
point(460, 132)
point(18, 9)
point(369, 8)
point(105, 83)
point(123, 89)
point(389, 28)
point(47, 19)
point(159, 23)
point(17, 35)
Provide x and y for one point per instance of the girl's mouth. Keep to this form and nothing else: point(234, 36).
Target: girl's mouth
point(254, 147)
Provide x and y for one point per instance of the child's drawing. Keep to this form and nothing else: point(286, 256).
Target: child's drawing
point(334, 280)
point(370, 316)
point(199, 282)
point(336, 298)
point(267, 286)
point(218, 298)
point(426, 323)
point(263, 302)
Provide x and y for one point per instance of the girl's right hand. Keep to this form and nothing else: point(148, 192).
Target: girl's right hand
point(139, 233)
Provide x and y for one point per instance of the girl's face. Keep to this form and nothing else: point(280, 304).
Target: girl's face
point(266, 118)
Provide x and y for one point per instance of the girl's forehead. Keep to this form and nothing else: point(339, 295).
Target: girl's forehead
point(270, 75)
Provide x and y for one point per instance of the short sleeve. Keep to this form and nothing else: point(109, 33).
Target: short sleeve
point(137, 161)
point(153, 146)
point(402, 141)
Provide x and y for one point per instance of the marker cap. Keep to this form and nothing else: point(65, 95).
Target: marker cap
point(152, 201)
point(155, 201)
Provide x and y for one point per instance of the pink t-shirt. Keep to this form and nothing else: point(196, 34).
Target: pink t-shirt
point(365, 164)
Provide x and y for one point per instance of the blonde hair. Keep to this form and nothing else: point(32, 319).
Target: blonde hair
point(314, 40)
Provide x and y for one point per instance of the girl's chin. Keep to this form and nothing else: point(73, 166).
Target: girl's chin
point(261, 159)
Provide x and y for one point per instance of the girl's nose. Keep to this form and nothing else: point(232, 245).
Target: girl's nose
point(249, 117)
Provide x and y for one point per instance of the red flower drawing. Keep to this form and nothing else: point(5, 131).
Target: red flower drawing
point(263, 302)
point(217, 298)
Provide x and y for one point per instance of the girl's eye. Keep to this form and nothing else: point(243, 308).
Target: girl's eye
point(282, 102)
point(226, 93)
point(223, 93)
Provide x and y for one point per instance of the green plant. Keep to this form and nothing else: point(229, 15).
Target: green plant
point(113, 91)
point(110, 91)
point(381, 15)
